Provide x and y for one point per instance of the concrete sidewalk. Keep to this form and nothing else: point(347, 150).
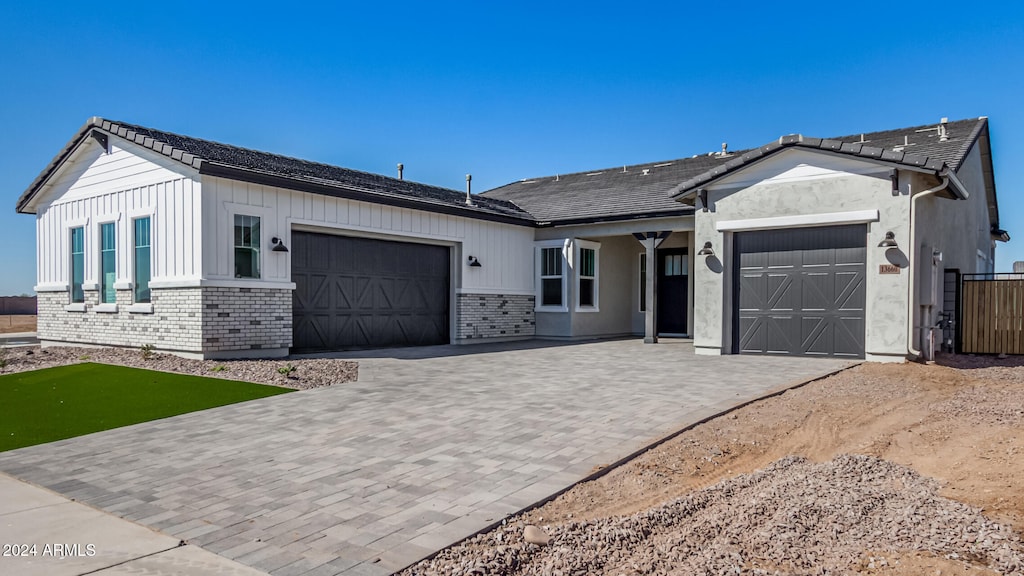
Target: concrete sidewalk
point(19, 339)
point(43, 533)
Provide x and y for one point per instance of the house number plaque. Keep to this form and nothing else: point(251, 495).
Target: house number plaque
point(888, 269)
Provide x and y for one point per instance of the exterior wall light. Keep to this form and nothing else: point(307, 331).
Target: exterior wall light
point(889, 242)
point(706, 250)
point(278, 245)
point(474, 262)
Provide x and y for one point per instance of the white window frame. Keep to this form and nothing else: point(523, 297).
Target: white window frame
point(231, 246)
point(563, 246)
point(141, 307)
point(73, 306)
point(85, 224)
point(119, 282)
point(578, 247)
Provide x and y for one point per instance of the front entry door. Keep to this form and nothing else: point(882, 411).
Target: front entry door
point(673, 284)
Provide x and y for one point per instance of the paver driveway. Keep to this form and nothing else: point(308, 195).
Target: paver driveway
point(428, 447)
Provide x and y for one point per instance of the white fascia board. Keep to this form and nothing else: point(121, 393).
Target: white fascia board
point(959, 190)
point(798, 221)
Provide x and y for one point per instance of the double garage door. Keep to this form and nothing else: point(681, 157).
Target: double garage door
point(800, 291)
point(355, 293)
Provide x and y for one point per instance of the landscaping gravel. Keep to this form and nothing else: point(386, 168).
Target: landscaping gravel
point(307, 373)
point(793, 517)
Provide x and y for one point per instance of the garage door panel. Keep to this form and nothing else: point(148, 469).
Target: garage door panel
point(783, 259)
point(819, 257)
point(751, 334)
point(363, 292)
point(818, 291)
point(753, 260)
point(782, 293)
point(817, 336)
point(753, 291)
point(855, 256)
point(850, 291)
point(782, 334)
point(817, 274)
point(313, 328)
point(849, 336)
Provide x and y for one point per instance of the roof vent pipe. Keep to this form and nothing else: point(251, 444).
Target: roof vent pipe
point(469, 180)
point(401, 168)
point(942, 130)
point(725, 148)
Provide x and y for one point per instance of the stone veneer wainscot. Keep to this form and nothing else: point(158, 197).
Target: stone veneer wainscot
point(494, 316)
point(207, 321)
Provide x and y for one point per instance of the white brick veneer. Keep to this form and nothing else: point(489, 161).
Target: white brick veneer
point(205, 321)
point(246, 319)
point(494, 316)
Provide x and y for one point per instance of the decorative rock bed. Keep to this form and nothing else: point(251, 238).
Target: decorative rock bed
point(793, 517)
point(298, 373)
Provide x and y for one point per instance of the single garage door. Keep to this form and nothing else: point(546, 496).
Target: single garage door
point(367, 293)
point(800, 291)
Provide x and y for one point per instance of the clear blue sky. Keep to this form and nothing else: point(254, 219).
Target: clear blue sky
point(501, 90)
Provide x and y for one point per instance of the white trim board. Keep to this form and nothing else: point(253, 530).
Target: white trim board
point(495, 292)
point(219, 283)
point(799, 221)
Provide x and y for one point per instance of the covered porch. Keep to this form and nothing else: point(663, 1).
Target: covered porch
point(615, 279)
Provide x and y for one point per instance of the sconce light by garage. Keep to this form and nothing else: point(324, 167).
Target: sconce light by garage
point(889, 242)
point(706, 250)
point(474, 262)
point(278, 245)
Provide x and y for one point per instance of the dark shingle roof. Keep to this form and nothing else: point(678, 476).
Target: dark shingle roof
point(219, 159)
point(614, 193)
point(637, 191)
point(630, 191)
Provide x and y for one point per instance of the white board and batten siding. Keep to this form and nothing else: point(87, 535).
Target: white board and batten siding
point(505, 251)
point(127, 182)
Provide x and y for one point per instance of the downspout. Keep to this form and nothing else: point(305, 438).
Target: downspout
point(913, 312)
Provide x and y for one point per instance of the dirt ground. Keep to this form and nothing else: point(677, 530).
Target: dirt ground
point(959, 424)
point(17, 323)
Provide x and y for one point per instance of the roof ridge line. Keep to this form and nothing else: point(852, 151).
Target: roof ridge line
point(129, 126)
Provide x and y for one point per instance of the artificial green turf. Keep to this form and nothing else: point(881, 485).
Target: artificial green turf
point(66, 401)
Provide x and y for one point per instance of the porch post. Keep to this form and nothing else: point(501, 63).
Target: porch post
point(651, 241)
point(650, 329)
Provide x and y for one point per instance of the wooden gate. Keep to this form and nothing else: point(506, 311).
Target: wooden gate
point(992, 314)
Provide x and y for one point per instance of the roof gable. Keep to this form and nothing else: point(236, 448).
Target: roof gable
point(224, 160)
point(91, 163)
point(936, 149)
point(795, 164)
